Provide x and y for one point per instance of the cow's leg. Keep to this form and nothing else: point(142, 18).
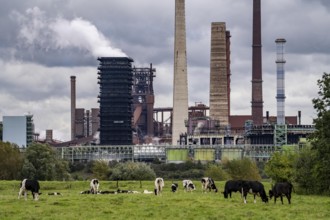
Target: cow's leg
point(288, 196)
point(25, 194)
point(244, 196)
point(20, 193)
point(282, 199)
point(275, 199)
point(254, 196)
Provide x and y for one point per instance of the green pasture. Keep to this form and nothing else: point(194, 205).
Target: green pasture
point(179, 205)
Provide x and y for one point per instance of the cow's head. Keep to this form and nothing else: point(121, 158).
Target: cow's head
point(225, 194)
point(271, 194)
point(191, 186)
point(36, 195)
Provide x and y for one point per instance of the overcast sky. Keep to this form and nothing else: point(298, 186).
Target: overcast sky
point(43, 43)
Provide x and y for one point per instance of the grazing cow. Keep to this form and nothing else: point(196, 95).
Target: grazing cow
point(54, 194)
point(159, 184)
point(107, 192)
point(281, 189)
point(94, 186)
point(188, 185)
point(256, 188)
point(29, 185)
point(208, 183)
point(232, 186)
point(174, 187)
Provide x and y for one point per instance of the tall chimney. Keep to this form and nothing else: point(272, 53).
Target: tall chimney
point(257, 102)
point(73, 106)
point(219, 102)
point(280, 97)
point(180, 85)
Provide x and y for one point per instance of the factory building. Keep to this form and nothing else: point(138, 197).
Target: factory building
point(18, 130)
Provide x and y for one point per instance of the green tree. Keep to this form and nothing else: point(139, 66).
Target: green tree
point(280, 166)
point(41, 163)
point(101, 169)
point(10, 161)
point(242, 169)
point(216, 172)
point(320, 139)
point(132, 171)
point(304, 175)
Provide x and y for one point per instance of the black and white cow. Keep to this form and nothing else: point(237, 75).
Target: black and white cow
point(94, 185)
point(159, 184)
point(208, 183)
point(54, 194)
point(188, 185)
point(232, 186)
point(255, 188)
point(174, 187)
point(280, 190)
point(29, 185)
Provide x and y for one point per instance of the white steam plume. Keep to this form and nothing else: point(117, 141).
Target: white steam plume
point(39, 31)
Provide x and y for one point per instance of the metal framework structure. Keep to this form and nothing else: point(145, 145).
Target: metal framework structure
point(151, 152)
point(143, 101)
point(115, 98)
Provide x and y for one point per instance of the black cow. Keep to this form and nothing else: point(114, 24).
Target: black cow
point(174, 187)
point(232, 186)
point(29, 185)
point(281, 189)
point(256, 188)
point(208, 183)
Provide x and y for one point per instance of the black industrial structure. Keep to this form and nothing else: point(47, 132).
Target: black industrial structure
point(115, 98)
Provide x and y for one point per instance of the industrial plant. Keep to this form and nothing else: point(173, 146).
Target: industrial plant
point(127, 126)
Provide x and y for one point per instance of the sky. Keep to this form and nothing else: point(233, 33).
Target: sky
point(43, 43)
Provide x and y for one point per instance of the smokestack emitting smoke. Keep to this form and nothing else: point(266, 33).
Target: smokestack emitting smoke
point(59, 33)
point(180, 87)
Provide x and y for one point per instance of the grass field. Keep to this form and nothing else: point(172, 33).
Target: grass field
point(180, 205)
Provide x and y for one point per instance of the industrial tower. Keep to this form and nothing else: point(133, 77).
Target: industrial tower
point(219, 97)
point(115, 98)
point(180, 85)
point(280, 97)
point(73, 107)
point(280, 128)
point(257, 101)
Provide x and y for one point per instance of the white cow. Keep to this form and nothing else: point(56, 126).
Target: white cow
point(159, 184)
point(188, 185)
point(94, 186)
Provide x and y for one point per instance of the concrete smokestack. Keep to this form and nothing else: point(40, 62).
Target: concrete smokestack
point(280, 97)
point(257, 102)
point(73, 107)
point(219, 101)
point(180, 85)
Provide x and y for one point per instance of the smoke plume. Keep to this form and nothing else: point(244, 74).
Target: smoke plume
point(36, 30)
